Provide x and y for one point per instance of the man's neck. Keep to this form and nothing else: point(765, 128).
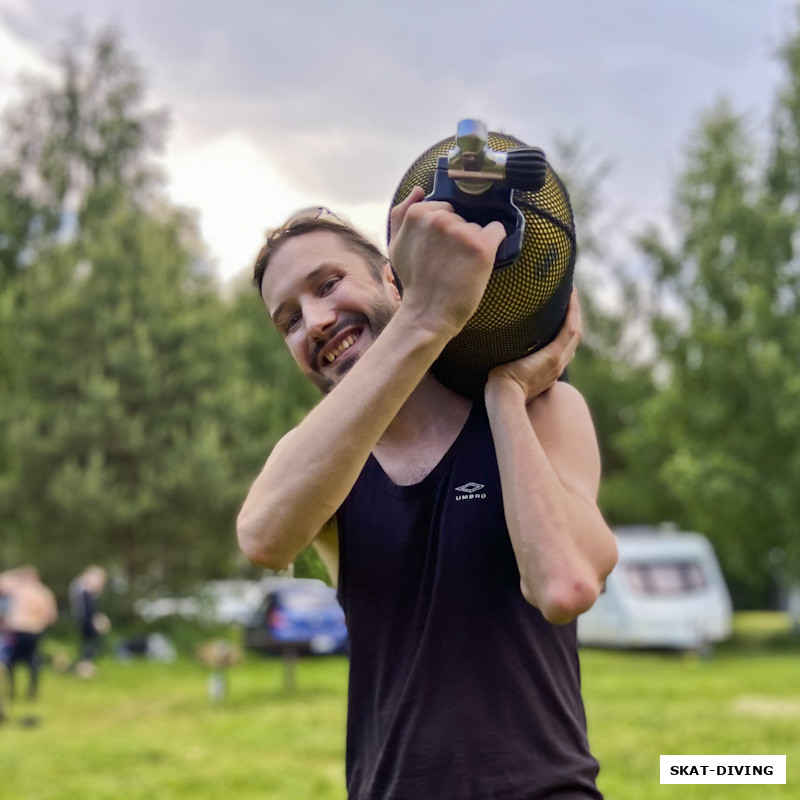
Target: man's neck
point(430, 408)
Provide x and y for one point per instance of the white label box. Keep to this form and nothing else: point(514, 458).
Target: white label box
point(723, 769)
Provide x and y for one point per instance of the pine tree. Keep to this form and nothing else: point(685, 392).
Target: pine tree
point(126, 415)
point(722, 435)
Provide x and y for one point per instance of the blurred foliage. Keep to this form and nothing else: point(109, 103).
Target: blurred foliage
point(609, 368)
point(689, 360)
point(720, 434)
point(139, 403)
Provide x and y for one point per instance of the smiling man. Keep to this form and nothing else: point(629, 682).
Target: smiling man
point(464, 536)
point(318, 332)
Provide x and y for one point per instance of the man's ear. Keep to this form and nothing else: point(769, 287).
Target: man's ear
point(388, 275)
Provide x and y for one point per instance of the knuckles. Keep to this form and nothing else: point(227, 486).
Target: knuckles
point(433, 221)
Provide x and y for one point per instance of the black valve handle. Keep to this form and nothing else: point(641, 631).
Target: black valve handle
point(526, 168)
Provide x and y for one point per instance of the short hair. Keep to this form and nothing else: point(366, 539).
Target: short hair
point(352, 239)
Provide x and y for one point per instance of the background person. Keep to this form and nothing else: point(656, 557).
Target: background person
point(84, 594)
point(31, 609)
point(465, 536)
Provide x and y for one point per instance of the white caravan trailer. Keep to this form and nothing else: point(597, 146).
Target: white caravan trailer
point(667, 590)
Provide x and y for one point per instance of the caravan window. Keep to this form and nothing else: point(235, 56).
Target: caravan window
point(665, 577)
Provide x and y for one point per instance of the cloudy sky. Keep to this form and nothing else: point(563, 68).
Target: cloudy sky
point(279, 105)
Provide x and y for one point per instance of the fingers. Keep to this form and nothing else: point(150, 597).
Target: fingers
point(493, 234)
point(560, 351)
point(574, 311)
point(399, 211)
point(571, 330)
point(539, 371)
point(569, 337)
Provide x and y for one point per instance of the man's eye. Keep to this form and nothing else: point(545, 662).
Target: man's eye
point(327, 287)
point(292, 322)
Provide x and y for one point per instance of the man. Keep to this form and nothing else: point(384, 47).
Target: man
point(465, 537)
point(31, 609)
point(84, 594)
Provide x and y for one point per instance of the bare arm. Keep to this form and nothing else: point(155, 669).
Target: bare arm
point(550, 472)
point(52, 607)
point(311, 470)
point(444, 263)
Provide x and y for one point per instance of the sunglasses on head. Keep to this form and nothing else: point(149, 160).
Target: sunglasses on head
point(305, 215)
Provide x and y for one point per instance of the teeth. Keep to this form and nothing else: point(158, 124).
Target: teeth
point(334, 354)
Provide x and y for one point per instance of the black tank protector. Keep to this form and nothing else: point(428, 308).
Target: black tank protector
point(525, 302)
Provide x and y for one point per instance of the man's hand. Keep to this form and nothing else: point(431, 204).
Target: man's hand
point(536, 373)
point(443, 261)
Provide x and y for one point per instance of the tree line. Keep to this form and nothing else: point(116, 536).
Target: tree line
point(139, 401)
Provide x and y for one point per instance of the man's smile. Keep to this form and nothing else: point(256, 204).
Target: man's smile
point(338, 344)
point(332, 355)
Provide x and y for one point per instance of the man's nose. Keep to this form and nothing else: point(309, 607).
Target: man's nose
point(319, 316)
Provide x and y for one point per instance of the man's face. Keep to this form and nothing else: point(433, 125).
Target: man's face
point(326, 304)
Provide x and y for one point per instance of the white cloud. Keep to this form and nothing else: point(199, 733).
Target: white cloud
point(241, 194)
point(18, 57)
point(238, 190)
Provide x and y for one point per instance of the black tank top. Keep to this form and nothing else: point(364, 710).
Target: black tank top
point(459, 689)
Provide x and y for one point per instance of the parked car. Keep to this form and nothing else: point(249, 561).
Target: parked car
point(298, 613)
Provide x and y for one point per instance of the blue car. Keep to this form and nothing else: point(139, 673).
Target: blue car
point(301, 615)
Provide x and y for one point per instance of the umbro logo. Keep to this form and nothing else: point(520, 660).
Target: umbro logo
point(469, 487)
point(471, 491)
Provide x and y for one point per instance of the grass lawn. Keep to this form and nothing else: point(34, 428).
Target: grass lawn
point(743, 700)
point(149, 730)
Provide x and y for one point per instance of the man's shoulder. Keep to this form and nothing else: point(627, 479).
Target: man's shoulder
point(561, 415)
point(560, 397)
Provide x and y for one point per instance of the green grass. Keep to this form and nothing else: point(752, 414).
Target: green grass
point(745, 699)
point(148, 730)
